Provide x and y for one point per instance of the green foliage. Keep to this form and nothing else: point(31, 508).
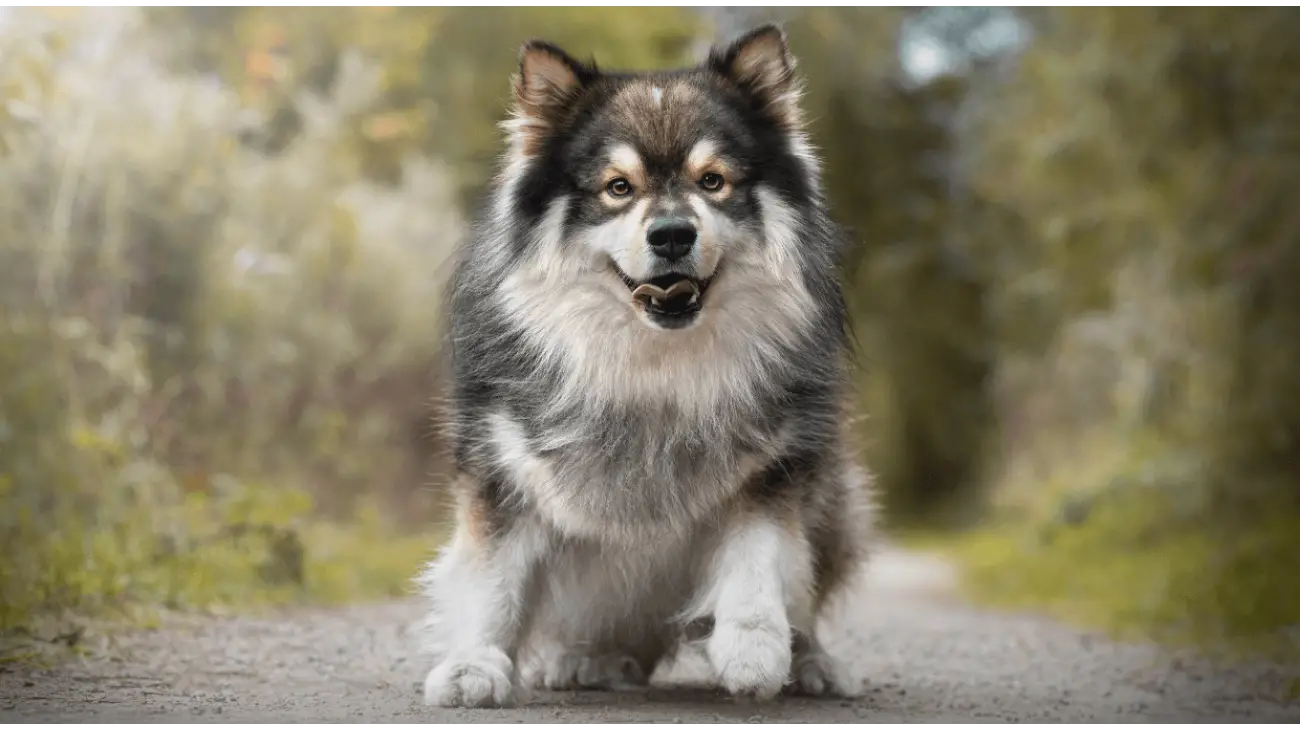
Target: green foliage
point(239, 545)
point(185, 320)
point(1110, 539)
point(1140, 310)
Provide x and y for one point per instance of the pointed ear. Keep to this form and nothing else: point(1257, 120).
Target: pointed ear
point(760, 63)
point(547, 83)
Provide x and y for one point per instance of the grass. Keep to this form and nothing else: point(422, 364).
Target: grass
point(1121, 542)
point(249, 550)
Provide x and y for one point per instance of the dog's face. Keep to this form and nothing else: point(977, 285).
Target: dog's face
point(652, 186)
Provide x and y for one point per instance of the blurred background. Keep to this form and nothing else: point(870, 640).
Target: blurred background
point(1076, 289)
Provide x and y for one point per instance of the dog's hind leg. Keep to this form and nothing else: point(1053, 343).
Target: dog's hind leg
point(594, 662)
point(840, 520)
point(815, 673)
point(567, 670)
point(602, 617)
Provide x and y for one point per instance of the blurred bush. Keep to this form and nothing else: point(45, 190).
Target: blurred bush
point(185, 318)
point(1149, 155)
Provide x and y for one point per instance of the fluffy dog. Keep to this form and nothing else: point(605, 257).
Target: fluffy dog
point(649, 376)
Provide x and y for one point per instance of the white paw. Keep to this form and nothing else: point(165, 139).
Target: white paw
point(480, 679)
point(817, 675)
point(751, 660)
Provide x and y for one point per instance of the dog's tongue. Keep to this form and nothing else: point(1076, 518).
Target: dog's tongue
point(647, 293)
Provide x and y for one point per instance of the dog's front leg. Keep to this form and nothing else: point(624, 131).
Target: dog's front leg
point(757, 585)
point(479, 587)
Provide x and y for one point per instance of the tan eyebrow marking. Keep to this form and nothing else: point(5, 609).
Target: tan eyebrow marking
point(704, 158)
point(624, 162)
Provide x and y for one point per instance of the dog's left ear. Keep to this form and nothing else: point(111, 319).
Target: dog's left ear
point(760, 63)
point(545, 87)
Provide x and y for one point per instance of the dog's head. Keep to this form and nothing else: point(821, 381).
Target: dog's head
point(652, 186)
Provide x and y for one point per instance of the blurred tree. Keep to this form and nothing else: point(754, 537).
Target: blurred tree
point(917, 301)
point(272, 56)
point(444, 72)
point(1140, 138)
point(1151, 156)
point(208, 34)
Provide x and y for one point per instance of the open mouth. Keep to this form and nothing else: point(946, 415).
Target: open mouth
point(672, 300)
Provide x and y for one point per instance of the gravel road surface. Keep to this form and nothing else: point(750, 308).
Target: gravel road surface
point(926, 658)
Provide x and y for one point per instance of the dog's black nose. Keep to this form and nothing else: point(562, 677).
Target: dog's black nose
point(671, 238)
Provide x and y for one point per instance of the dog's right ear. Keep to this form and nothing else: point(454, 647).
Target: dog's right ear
point(547, 83)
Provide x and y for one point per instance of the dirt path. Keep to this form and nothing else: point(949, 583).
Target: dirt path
point(927, 658)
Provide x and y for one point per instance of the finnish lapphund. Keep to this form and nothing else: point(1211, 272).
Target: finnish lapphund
point(649, 362)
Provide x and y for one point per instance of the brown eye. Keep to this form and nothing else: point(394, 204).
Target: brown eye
point(711, 181)
point(619, 187)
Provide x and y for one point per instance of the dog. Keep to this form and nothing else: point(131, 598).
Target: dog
point(649, 358)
